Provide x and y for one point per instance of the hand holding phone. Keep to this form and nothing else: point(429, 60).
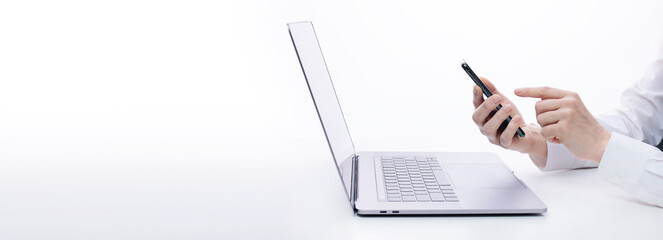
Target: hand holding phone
point(487, 93)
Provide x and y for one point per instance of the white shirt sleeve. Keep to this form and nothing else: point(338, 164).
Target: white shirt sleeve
point(634, 166)
point(630, 160)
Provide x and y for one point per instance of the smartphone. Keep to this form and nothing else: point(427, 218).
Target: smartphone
point(487, 92)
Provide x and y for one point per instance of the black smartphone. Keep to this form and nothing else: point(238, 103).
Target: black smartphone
point(487, 92)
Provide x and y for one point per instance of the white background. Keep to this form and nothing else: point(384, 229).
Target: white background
point(191, 119)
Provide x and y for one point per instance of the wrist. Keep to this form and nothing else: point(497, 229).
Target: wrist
point(600, 146)
point(539, 152)
point(538, 147)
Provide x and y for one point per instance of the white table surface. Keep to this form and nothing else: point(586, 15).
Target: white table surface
point(181, 185)
point(191, 119)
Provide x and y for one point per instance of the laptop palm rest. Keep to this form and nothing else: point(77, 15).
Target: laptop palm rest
point(482, 176)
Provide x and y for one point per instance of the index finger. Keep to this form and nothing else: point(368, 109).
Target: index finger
point(489, 85)
point(540, 92)
point(478, 96)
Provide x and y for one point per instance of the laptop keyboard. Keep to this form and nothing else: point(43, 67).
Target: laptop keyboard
point(414, 179)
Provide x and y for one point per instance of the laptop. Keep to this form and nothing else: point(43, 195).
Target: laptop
point(407, 183)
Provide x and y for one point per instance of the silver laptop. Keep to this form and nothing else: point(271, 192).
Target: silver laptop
point(393, 183)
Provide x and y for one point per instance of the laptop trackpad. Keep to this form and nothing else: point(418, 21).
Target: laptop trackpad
point(482, 176)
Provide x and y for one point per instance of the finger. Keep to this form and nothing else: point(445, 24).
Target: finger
point(549, 132)
point(540, 92)
point(509, 133)
point(478, 96)
point(493, 124)
point(489, 85)
point(484, 110)
point(547, 105)
point(547, 118)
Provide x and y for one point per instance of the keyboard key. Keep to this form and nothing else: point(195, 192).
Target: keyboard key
point(393, 195)
point(393, 191)
point(407, 193)
point(448, 191)
point(449, 195)
point(394, 199)
point(436, 197)
point(422, 198)
point(409, 199)
point(452, 200)
point(441, 178)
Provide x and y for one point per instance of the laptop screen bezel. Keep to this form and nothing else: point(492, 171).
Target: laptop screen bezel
point(345, 166)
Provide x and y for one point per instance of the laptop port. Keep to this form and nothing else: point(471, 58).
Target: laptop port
point(395, 211)
point(383, 211)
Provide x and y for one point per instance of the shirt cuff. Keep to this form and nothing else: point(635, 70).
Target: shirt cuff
point(560, 158)
point(624, 160)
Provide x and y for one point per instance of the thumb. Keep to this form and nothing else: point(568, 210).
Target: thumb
point(489, 85)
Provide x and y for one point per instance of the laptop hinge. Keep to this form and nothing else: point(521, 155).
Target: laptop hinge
point(355, 181)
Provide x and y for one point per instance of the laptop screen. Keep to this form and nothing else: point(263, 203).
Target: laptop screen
point(324, 97)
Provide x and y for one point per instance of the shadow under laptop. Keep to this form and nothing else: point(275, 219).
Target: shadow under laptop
point(524, 215)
